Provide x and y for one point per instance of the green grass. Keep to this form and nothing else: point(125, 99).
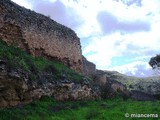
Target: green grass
point(18, 59)
point(49, 109)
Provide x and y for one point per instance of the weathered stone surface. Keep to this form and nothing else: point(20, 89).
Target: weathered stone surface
point(110, 87)
point(17, 88)
point(73, 92)
point(89, 68)
point(39, 35)
point(102, 78)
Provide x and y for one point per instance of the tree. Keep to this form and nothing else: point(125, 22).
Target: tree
point(155, 63)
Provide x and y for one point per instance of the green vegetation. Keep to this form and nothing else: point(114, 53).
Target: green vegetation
point(18, 59)
point(155, 63)
point(49, 109)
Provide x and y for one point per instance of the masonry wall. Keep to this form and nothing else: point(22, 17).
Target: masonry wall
point(89, 68)
point(39, 35)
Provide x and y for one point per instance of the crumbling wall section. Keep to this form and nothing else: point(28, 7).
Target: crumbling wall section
point(39, 35)
point(89, 68)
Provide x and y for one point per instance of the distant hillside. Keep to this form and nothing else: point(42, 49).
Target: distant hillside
point(148, 85)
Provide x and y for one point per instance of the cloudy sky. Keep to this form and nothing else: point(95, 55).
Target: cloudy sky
point(120, 35)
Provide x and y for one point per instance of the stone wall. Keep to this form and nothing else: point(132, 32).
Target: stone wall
point(89, 68)
point(39, 35)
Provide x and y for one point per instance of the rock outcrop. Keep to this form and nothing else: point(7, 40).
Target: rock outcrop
point(16, 87)
point(39, 35)
point(110, 87)
point(102, 78)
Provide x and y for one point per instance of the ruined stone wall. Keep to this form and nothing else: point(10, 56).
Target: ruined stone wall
point(89, 68)
point(39, 35)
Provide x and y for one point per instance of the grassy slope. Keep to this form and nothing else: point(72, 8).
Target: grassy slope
point(18, 59)
point(48, 109)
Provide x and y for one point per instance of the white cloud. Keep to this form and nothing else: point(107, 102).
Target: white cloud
point(100, 51)
point(24, 3)
point(59, 12)
point(110, 23)
point(138, 68)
